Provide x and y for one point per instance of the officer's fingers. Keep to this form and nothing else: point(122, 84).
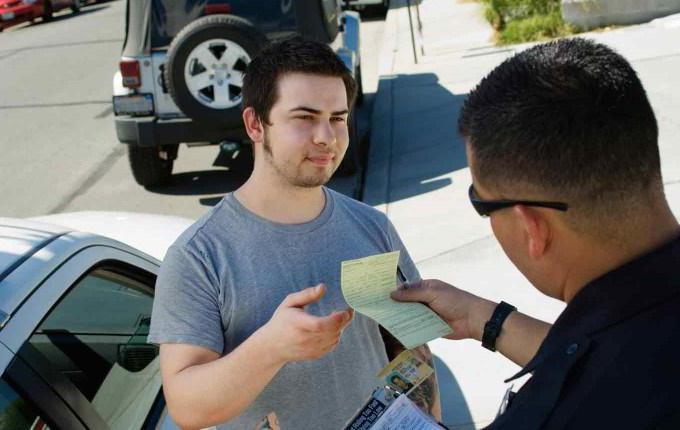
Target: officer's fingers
point(409, 285)
point(421, 294)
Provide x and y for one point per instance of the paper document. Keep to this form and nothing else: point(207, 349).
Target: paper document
point(367, 283)
point(403, 414)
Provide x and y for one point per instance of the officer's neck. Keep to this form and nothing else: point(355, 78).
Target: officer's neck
point(593, 257)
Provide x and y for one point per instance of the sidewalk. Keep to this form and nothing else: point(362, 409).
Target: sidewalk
point(417, 171)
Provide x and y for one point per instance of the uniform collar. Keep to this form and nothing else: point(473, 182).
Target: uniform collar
point(628, 290)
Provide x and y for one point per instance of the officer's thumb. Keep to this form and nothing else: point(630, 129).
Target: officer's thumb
point(411, 295)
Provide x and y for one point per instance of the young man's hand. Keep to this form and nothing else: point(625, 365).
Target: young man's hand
point(295, 335)
point(465, 313)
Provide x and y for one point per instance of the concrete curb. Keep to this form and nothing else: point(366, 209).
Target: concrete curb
point(378, 166)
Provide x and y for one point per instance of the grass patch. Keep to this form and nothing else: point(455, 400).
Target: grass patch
point(518, 21)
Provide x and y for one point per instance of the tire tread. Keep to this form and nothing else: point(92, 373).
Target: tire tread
point(147, 167)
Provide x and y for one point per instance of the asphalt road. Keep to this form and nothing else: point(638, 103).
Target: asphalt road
point(57, 138)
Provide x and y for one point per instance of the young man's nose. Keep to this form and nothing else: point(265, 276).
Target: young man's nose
point(324, 134)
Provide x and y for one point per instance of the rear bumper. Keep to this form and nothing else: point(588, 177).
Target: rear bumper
point(153, 132)
point(364, 2)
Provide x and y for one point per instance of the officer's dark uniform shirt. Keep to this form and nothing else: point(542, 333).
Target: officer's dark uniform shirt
point(612, 358)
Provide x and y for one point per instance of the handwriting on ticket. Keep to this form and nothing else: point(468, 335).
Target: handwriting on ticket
point(367, 283)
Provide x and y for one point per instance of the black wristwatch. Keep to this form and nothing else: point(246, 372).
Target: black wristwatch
point(492, 328)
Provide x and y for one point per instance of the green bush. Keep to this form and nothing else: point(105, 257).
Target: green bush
point(537, 27)
point(493, 17)
point(521, 9)
point(526, 20)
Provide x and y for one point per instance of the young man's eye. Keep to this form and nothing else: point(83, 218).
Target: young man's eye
point(338, 119)
point(305, 117)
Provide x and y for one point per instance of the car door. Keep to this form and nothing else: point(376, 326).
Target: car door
point(27, 402)
point(83, 331)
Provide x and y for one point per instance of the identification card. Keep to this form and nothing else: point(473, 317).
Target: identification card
point(405, 372)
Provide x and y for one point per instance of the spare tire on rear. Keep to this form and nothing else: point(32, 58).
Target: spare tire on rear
point(205, 67)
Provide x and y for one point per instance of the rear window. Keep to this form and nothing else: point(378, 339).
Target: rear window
point(169, 17)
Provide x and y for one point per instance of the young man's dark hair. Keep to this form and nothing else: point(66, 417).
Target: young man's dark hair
point(570, 121)
point(290, 55)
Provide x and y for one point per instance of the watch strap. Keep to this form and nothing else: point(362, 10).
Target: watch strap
point(492, 328)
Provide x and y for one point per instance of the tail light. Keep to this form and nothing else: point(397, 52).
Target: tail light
point(132, 76)
point(214, 8)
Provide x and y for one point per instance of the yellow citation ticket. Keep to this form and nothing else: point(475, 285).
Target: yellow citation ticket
point(367, 283)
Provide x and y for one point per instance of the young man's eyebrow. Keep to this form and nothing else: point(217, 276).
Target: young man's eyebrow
point(317, 112)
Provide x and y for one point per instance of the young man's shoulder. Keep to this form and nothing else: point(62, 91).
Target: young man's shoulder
point(203, 230)
point(357, 208)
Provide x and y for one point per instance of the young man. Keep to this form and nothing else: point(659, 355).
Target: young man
point(240, 335)
point(562, 146)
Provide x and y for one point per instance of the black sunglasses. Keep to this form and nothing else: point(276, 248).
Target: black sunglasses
point(485, 207)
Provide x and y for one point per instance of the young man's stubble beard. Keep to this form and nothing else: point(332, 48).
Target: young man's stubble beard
point(293, 175)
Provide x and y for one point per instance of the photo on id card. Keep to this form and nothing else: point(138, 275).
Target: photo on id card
point(405, 372)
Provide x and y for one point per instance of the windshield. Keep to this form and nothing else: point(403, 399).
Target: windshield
point(169, 17)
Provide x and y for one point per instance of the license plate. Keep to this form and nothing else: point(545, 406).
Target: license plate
point(7, 16)
point(140, 104)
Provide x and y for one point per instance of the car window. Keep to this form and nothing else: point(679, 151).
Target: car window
point(169, 17)
point(16, 413)
point(96, 338)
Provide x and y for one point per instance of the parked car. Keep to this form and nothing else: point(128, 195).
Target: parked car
point(379, 5)
point(13, 12)
point(75, 310)
point(164, 93)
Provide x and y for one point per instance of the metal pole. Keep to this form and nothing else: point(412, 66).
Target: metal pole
point(420, 23)
point(413, 38)
point(420, 28)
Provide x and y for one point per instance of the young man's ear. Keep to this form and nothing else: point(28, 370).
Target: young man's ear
point(254, 126)
point(536, 230)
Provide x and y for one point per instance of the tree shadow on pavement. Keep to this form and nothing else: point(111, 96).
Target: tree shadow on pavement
point(415, 141)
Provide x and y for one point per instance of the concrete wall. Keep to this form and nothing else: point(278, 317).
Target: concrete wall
point(597, 13)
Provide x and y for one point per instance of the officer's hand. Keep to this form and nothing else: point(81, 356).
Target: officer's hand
point(295, 335)
point(465, 313)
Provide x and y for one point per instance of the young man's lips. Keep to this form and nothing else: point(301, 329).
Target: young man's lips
point(321, 160)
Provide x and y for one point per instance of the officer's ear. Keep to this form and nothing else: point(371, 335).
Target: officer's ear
point(535, 228)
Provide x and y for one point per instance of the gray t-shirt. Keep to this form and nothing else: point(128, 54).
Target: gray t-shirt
point(225, 276)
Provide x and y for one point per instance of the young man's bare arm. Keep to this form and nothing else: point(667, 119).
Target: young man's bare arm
point(426, 395)
point(203, 390)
